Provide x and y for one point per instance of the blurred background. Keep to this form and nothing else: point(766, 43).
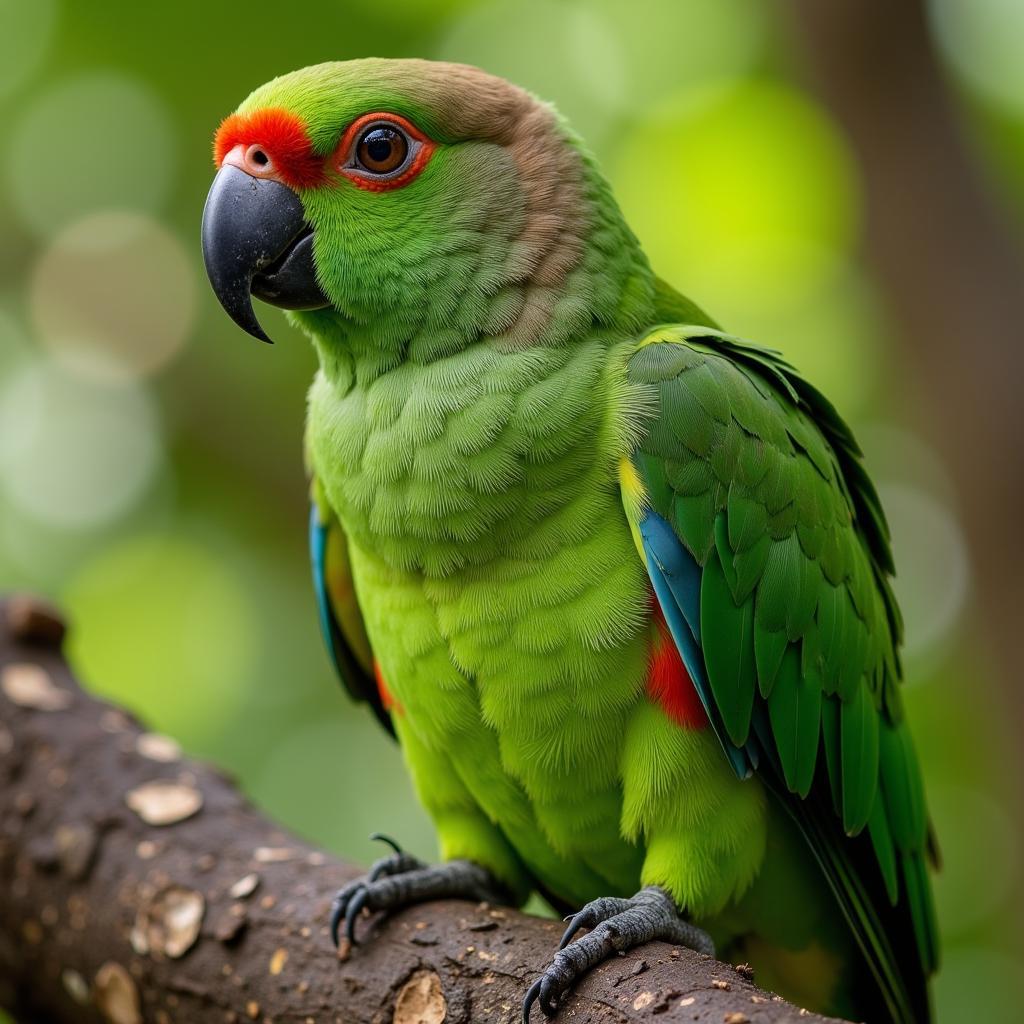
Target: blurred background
point(842, 181)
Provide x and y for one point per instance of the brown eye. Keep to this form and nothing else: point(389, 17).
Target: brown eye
point(382, 149)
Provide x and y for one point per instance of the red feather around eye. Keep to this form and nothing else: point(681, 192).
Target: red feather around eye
point(668, 683)
point(282, 135)
point(348, 141)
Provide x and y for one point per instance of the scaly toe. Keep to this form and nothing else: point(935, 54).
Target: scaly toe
point(615, 925)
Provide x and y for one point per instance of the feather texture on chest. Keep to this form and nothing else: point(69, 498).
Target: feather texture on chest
point(479, 455)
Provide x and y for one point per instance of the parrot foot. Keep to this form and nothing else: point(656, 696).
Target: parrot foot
point(399, 880)
point(616, 925)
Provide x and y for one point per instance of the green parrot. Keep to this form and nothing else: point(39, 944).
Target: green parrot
point(616, 580)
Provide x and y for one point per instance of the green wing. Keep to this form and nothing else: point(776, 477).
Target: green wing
point(341, 621)
point(761, 482)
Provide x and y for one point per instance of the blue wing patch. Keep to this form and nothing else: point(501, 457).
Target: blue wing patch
point(359, 683)
point(676, 576)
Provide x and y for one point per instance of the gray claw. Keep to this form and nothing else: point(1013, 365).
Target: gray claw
point(399, 880)
point(352, 912)
point(616, 925)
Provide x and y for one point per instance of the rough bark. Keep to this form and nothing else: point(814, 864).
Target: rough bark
point(219, 916)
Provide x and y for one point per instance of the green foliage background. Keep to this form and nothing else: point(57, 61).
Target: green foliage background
point(150, 454)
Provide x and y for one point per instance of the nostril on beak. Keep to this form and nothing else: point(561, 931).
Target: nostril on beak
point(253, 159)
point(257, 157)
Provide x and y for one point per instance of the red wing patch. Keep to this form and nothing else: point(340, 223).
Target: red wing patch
point(668, 683)
point(387, 700)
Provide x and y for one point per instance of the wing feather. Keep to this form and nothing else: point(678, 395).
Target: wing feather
point(341, 621)
point(793, 637)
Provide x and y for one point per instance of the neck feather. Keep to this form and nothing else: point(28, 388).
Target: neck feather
point(554, 266)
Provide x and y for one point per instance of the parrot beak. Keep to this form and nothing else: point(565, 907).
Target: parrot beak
point(256, 241)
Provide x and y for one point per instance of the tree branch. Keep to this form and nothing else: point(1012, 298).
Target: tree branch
point(218, 916)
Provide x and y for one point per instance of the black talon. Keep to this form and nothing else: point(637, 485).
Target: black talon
point(399, 880)
point(576, 922)
point(357, 904)
point(530, 998)
point(337, 910)
point(379, 837)
point(548, 997)
point(613, 925)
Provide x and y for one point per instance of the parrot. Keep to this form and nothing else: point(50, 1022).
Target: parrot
point(616, 580)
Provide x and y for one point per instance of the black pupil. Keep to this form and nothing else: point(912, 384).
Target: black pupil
point(379, 144)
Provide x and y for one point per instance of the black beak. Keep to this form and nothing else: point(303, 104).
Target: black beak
point(256, 242)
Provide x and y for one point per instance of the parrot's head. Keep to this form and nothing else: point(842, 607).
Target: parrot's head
point(399, 194)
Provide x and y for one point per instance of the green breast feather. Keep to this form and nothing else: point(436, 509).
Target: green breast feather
point(762, 483)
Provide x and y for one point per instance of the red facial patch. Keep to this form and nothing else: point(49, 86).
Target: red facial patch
point(343, 153)
point(668, 683)
point(282, 135)
point(386, 698)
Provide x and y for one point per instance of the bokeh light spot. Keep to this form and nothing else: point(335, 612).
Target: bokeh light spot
point(931, 561)
point(95, 140)
point(602, 61)
point(532, 43)
point(667, 46)
point(14, 345)
point(977, 984)
point(750, 197)
point(834, 336)
point(983, 40)
point(163, 626)
point(894, 453)
point(290, 786)
point(77, 449)
point(27, 29)
point(967, 821)
point(115, 283)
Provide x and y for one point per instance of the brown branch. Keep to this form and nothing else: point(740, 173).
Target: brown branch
point(219, 916)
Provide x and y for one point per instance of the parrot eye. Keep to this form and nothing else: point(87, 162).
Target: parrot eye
point(380, 152)
point(383, 149)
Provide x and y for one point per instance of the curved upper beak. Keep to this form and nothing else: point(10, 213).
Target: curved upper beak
point(256, 242)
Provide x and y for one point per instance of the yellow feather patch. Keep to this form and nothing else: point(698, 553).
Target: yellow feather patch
point(634, 499)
